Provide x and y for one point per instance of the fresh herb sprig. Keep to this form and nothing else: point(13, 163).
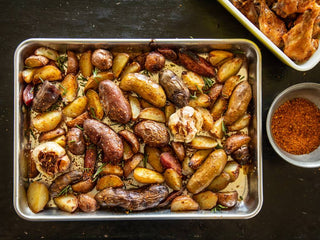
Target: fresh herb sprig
point(64, 90)
point(93, 114)
point(224, 128)
point(146, 72)
point(61, 62)
point(219, 207)
point(194, 95)
point(79, 127)
point(99, 170)
point(208, 82)
point(65, 190)
point(145, 160)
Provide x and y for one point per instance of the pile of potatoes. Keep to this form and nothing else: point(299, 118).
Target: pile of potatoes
point(146, 135)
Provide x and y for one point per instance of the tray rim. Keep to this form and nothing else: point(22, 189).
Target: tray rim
point(172, 216)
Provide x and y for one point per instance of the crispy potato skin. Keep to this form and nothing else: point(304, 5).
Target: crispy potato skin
point(135, 200)
point(228, 199)
point(214, 92)
point(73, 63)
point(115, 105)
point(211, 168)
point(176, 91)
point(235, 141)
point(154, 62)
point(75, 141)
point(131, 139)
point(238, 103)
point(168, 53)
point(153, 134)
point(103, 136)
point(102, 59)
point(242, 155)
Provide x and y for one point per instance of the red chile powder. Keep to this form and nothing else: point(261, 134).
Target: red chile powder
point(295, 126)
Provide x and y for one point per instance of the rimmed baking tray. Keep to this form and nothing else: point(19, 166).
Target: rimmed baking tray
point(253, 198)
point(305, 66)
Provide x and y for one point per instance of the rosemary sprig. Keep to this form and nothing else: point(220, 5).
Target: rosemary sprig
point(145, 160)
point(63, 88)
point(99, 170)
point(79, 127)
point(224, 128)
point(93, 113)
point(95, 72)
point(86, 169)
point(72, 141)
point(208, 82)
point(82, 78)
point(65, 191)
point(194, 96)
point(242, 77)
point(53, 107)
point(199, 89)
point(218, 147)
point(31, 133)
point(219, 207)
point(61, 62)
point(41, 79)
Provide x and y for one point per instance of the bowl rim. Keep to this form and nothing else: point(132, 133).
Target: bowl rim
point(268, 124)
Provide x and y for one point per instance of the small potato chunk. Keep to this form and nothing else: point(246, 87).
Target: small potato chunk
point(168, 160)
point(75, 108)
point(228, 199)
point(229, 68)
point(27, 74)
point(72, 63)
point(37, 196)
point(198, 157)
point(109, 181)
point(233, 169)
point(186, 169)
point(173, 179)
point(131, 139)
point(131, 164)
point(218, 108)
point(94, 105)
point(51, 134)
point(235, 141)
point(48, 72)
point(62, 140)
point(69, 88)
point(184, 203)
point(153, 155)
point(154, 114)
point(87, 203)
point(133, 67)
point(178, 149)
point(102, 59)
point(206, 200)
point(169, 109)
point(147, 176)
point(229, 85)
point(111, 169)
point(119, 62)
point(192, 80)
point(203, 100)
point(47, 121)
point(78, 121)
point(36, 61)
point(127, 151)
point(203, 142)
point(85, 64)
point(219, 182)
point(214, 92)
point(135, 107)
point(67, 203)
point(154, 62)
point(241, 123)
point(47, 52)
point(94, 81)
point(218, 56)
point(217, 129)
point(207, 124)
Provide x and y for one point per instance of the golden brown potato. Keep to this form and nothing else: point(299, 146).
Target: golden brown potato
point(235, 141)
point(102, 59)
point(78, 121)
point(94, 105)
point(127, 151)
point(169, 109)
point(203, 100)
point(206, 200)
point(111, 169)
point(119, 62)
point(145, 88)
point(198, 157)
point(36, 61)
point(145, 104)
point(48, 72)
point(37, 196)
point(192, 80)
point(217, 129)
point(178, 149)
point(218, 56)
point(184, 203)
point(131, 164)
point(133, 67)
point(47, 121)
point(229, 86)
point(228, 199)
point(131, 139)
point(47, 52)
point(135, 107)
point(238, 103)
point(218, 108)
point(51, 134)
point(203, 142)
point(233, 169)
point(148, 176)
point(85, 64)
point(27, 74)
point(83, 186)
point(186, 169)
point(75, 108)
point(214, 92)
point(94, 81)
point(153, 155)
point(220, 182)
point(67, 203)
point(241, 123)
point(62, 140)
point(229, 68)
point(109, 181)
point(72, 63)
point(154, 114)
point(207, 124)
point(173, 179)
point(211, 168)
point(69, 88)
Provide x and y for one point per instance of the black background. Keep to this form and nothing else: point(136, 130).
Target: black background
point(291, 194)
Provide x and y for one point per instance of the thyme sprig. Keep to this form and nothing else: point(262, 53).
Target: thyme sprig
point(82, 78)
point(64, 92)
point(65, 190)
point(146, 72)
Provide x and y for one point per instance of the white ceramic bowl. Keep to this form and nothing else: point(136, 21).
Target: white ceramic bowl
point(307, 65)
point(310, 91)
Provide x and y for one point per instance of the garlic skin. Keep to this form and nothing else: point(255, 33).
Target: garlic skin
point(184, 124)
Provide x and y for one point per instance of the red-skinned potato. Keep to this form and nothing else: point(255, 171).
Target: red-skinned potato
point(168, 160)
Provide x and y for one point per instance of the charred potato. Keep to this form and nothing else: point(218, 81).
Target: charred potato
point(235, 141)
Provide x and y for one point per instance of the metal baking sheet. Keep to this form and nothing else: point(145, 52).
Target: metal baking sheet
point(252, 183)
point(305, 66)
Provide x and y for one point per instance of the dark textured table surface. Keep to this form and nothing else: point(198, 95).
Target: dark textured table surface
point(291, 194)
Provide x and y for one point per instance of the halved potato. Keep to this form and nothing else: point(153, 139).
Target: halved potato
point(241, 123)
point(109, 181)
point(27, 74)
point(203, 100)
point(198, 157)
point(229, 68)
point(37, 196)
point(233, 169)
point(169, 109)
point(186, 169)
point(173, 179)
point(75, 108)
point(133, 67)
point(135, 107)
point(218, 56)
point(147, 176)
point(47, 52)
point(119, 62)
point(206, 200)
point(60, 140)
point(78, 121)
point(218, 108)
point(203, 142)
point(219, 182)
point(93, 81)
point(192, 80)
point(48, 72)
point(207, 124)
point(94, 105)
point(131, 139)
point(67, 203)
point(127, 151)
point(178, 149)
point(131, 164)
point(36, 61)
point(184, 203)
point(85, 64)
point(229, 85)
point(153, 155)
point(154, 114)
point(69, 88)
point(47, 121)
point(111, 169)
point(51, 134)
point(217, 130)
